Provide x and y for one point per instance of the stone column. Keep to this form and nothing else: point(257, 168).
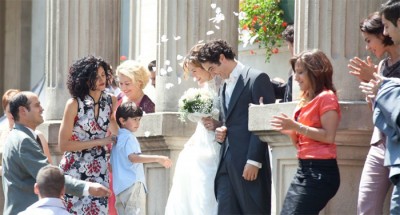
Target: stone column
point(74, 29)
point(333, 27)
point(188, 19)
point(17, 44)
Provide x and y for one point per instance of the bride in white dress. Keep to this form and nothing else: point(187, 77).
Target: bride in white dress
point(192, 191)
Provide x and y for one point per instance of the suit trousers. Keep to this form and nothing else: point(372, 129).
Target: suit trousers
point(314, 184)
point(232, 195)
point(374, 182)
point(395, 200)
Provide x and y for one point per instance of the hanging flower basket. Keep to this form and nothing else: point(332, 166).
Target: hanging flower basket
point(261, 21)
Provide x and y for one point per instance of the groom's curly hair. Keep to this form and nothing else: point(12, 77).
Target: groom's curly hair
point(211, 52)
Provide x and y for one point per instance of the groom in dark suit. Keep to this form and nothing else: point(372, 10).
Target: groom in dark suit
point(23, 158)
point(243, 180)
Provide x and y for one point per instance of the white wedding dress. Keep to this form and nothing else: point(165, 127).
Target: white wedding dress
point(192, 191)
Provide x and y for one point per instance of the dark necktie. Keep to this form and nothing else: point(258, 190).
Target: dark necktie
point(39, 142)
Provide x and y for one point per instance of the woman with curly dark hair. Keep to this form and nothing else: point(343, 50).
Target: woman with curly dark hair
point(88, 118)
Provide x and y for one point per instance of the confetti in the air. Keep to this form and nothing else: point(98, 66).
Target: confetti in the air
point(177, 37)
point(253, 39)
point(213, 5)
point(164, 38)
point(217, 27)
point(210, 32)
point(167, 62)
point(242, 15)
point(179, 80)
point(163, 72)
point(169, 85)
point(147, 133)
point(179, 57)
point(169, 69)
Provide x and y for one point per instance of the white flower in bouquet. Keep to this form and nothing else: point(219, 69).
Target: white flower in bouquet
point(197, 101)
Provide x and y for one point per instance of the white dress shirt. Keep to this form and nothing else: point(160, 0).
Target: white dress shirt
point(46, 206)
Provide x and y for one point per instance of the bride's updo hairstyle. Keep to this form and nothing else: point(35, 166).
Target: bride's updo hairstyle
point(191, 58)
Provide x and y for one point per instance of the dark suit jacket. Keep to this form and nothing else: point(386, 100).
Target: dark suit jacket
point(22, 160)
point(243, 144)
point(386, 116)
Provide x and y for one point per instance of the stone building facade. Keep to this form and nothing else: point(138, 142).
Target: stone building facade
point(41, 38)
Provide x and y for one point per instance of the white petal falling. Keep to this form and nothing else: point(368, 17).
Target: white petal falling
point(235, 13)
point(242, 15)
point(213, 5)
point(179, 57)
point(167, 62)
point(169, 69)
point(164, 38)
point(179, 80)
point(210, 32)
point(200, 41)
point(147, 133)
point(194, 79)
point(253, 38)
point(163, 72)
point(169, 85)
point(177, 37)
point(217, 27)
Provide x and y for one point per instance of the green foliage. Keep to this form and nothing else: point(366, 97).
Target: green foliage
point(265, 19)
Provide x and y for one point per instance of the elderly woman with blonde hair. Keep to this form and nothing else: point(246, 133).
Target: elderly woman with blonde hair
point(133, 78)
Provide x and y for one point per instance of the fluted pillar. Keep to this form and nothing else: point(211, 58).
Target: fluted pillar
point(190, 20)
point(75, 29)
point(333, 27)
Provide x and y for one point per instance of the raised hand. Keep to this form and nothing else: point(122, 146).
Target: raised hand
point(363, 70)
point(371, 88)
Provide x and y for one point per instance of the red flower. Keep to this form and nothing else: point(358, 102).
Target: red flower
point(252, 52)
point(122, 58)
point(245, 27)
point(255, 18)
point(265, 28)
point(275, 50)
point(284, 24)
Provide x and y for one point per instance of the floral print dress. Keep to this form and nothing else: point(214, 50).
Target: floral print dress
point(89, 164)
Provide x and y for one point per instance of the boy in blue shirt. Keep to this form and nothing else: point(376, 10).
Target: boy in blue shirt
point(127, 161)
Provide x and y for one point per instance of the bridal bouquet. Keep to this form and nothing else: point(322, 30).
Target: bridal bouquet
point(196, 102)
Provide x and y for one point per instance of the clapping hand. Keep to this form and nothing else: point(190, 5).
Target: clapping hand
point(371, 88)
point(363, 70)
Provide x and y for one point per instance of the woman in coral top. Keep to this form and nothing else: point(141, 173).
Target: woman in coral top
point(312, 131)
